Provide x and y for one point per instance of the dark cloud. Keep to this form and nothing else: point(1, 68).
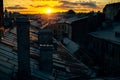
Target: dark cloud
point(69, 4)
point(89, 4)
point(66, 5)
point(16, 7)
point(38, 6)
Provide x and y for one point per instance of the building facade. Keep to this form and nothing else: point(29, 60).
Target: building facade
point(111, 10)
point(106, 47)
point(59, 29)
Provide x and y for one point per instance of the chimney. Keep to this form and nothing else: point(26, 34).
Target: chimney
point(46, 58)
point(1, 20)
point(23, 45)
point(45, 36)
point(46, 51)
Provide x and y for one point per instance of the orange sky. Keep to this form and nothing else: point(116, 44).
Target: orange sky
point(41, 6)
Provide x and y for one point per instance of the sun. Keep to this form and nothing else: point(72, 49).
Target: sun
point(48, 11)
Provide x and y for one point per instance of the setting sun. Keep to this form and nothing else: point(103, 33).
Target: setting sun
point(53, 6)
point(48, 11)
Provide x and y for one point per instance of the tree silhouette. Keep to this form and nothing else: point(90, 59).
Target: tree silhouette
point(71, 12)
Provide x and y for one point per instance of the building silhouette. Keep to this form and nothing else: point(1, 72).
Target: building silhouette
point(105, 46)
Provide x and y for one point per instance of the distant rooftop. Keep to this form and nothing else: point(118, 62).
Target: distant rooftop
point(108, 34)
point(72, 19)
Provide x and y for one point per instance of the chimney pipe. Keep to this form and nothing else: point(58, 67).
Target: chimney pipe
point(23, 43)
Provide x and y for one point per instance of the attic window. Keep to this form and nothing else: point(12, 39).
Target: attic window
point(117, 34)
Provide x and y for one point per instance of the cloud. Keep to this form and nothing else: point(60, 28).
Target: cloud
point(64, 7)
point(89, 4)
point(65, 4)
point(16, 7)
point(38, 6)
point(68, 4)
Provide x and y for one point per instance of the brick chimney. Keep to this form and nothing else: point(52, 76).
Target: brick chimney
point(23, 45)
point(46, 51)
point(46, 58)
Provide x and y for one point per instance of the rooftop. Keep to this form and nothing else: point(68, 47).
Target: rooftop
point(108, 34)
point(63, 61)
point(8, 58)
point(72, 19)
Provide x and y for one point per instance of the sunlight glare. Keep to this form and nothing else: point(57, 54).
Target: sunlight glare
point(48, 11)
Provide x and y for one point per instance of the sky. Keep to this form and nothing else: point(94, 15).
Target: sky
point(43, 6)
